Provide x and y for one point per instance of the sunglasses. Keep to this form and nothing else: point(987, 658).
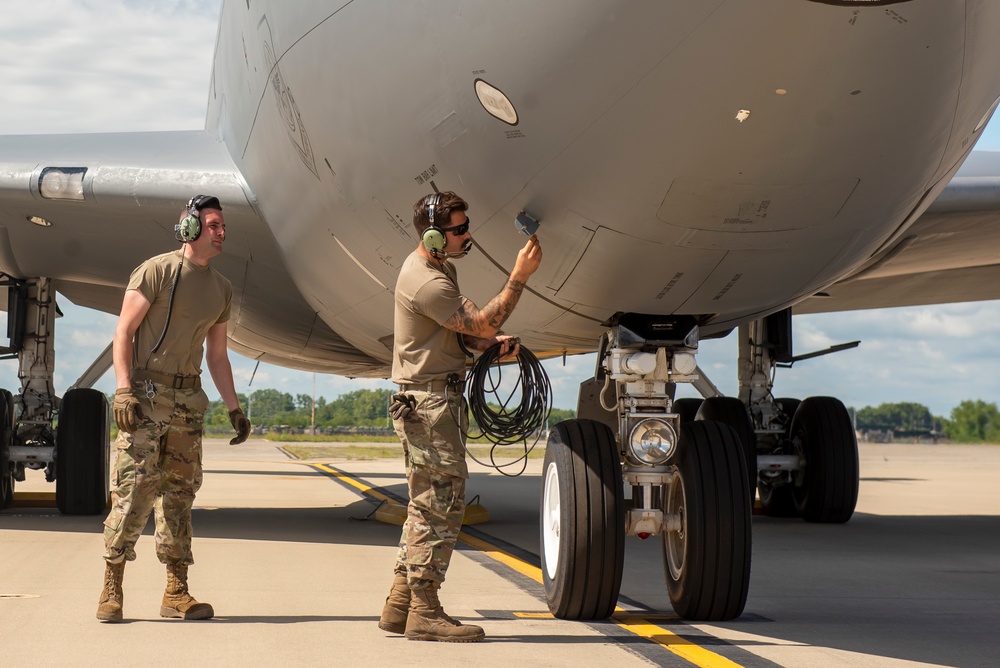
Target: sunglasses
point(458, 230)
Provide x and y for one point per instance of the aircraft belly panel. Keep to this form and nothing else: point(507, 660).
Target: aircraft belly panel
point(365, 323)
point(740, 208)
point(619, 272)
point(746, 282)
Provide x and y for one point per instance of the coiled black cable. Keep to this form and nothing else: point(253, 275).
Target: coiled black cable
point(511, 423)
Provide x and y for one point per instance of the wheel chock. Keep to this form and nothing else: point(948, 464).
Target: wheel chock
point(33, 500)
point(391, 513)
point(475, 513)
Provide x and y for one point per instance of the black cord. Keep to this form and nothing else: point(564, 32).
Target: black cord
point(170, 304)
point(511, 423)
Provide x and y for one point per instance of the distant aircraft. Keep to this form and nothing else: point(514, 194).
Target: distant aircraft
point(695, 167)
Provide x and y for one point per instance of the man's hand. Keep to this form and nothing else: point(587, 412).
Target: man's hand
point(126, 410)
point(528, 259)
point(401, 406)
point(510, 347)
point(241, 423)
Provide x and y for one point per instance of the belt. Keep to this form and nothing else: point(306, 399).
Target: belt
point(432, 386)
point(178, 382)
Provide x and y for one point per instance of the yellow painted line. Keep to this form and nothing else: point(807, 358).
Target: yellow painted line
point(632, 623)
point(519, 565)
point(682, 647)
point(354, 482)
point(534, 615)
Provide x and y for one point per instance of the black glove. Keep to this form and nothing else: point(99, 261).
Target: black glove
point(126, 410)
point(401, 406)
point(241, 423)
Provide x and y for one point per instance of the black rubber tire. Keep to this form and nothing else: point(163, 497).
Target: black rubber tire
point(6, 438)
point(583, 473)
point(707, 562)
point(777, 500)
point(687, 408)
point(83, 438)
point(827, 490)
point(788, 407)
point(732, 411)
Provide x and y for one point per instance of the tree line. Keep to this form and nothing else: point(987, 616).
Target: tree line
point(274, 410)
point(971, 421)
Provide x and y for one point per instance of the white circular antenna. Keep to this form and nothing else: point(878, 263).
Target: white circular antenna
point(495, 102)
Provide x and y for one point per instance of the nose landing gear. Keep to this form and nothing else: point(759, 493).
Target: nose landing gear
point(689, 482)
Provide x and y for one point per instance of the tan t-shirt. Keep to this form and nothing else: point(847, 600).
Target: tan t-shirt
point(203, 298)
point(426, 297)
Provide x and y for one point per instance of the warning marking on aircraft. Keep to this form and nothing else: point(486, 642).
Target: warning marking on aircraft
point(632, 621)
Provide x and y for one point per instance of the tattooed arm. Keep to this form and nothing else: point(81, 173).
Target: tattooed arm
point(485, 323)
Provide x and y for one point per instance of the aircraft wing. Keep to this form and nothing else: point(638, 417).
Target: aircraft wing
point(84, 210)
point(948, 255)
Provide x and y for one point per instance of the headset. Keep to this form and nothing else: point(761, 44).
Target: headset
point(189, 227)
point(433, 238)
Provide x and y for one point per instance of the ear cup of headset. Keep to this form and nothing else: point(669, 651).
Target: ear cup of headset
point(189, 228)
point(433, 239)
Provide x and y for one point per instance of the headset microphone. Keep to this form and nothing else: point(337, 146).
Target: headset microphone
point(466, 247)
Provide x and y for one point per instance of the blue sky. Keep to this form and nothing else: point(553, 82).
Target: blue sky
point(71, 66)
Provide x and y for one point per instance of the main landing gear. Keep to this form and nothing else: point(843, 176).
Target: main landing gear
point(68, 438)
point(692, 468)
point(807, 452)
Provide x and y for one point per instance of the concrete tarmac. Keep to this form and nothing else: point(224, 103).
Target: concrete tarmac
point(298, 575)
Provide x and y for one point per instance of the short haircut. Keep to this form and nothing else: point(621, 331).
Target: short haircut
point(210, 202)
point(447, 202)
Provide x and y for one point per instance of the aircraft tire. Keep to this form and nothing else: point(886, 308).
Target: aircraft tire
point(582, 521)
point(827, 490)
point(788, 407)
point(707, 562)
point(687, 408)
point(6, 438)
point(82, 449)
point(732, 411)
point(777, 500)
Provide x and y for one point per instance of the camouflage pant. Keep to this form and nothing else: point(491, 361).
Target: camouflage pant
point(435, 473)
point(157, 467)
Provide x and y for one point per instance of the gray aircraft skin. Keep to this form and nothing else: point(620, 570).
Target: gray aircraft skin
point(724, 160)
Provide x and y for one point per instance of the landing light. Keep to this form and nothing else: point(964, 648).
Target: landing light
point(652, 441)
point(62, 183)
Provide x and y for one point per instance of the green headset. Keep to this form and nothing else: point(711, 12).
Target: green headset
point(189, 227)
point(433, 238)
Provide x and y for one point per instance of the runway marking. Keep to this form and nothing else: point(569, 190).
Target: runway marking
point(628, 620)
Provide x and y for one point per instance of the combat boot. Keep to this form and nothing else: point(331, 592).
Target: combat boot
point(109, 608)
point(397, 605)
point(177, 602)
point(428, 621)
